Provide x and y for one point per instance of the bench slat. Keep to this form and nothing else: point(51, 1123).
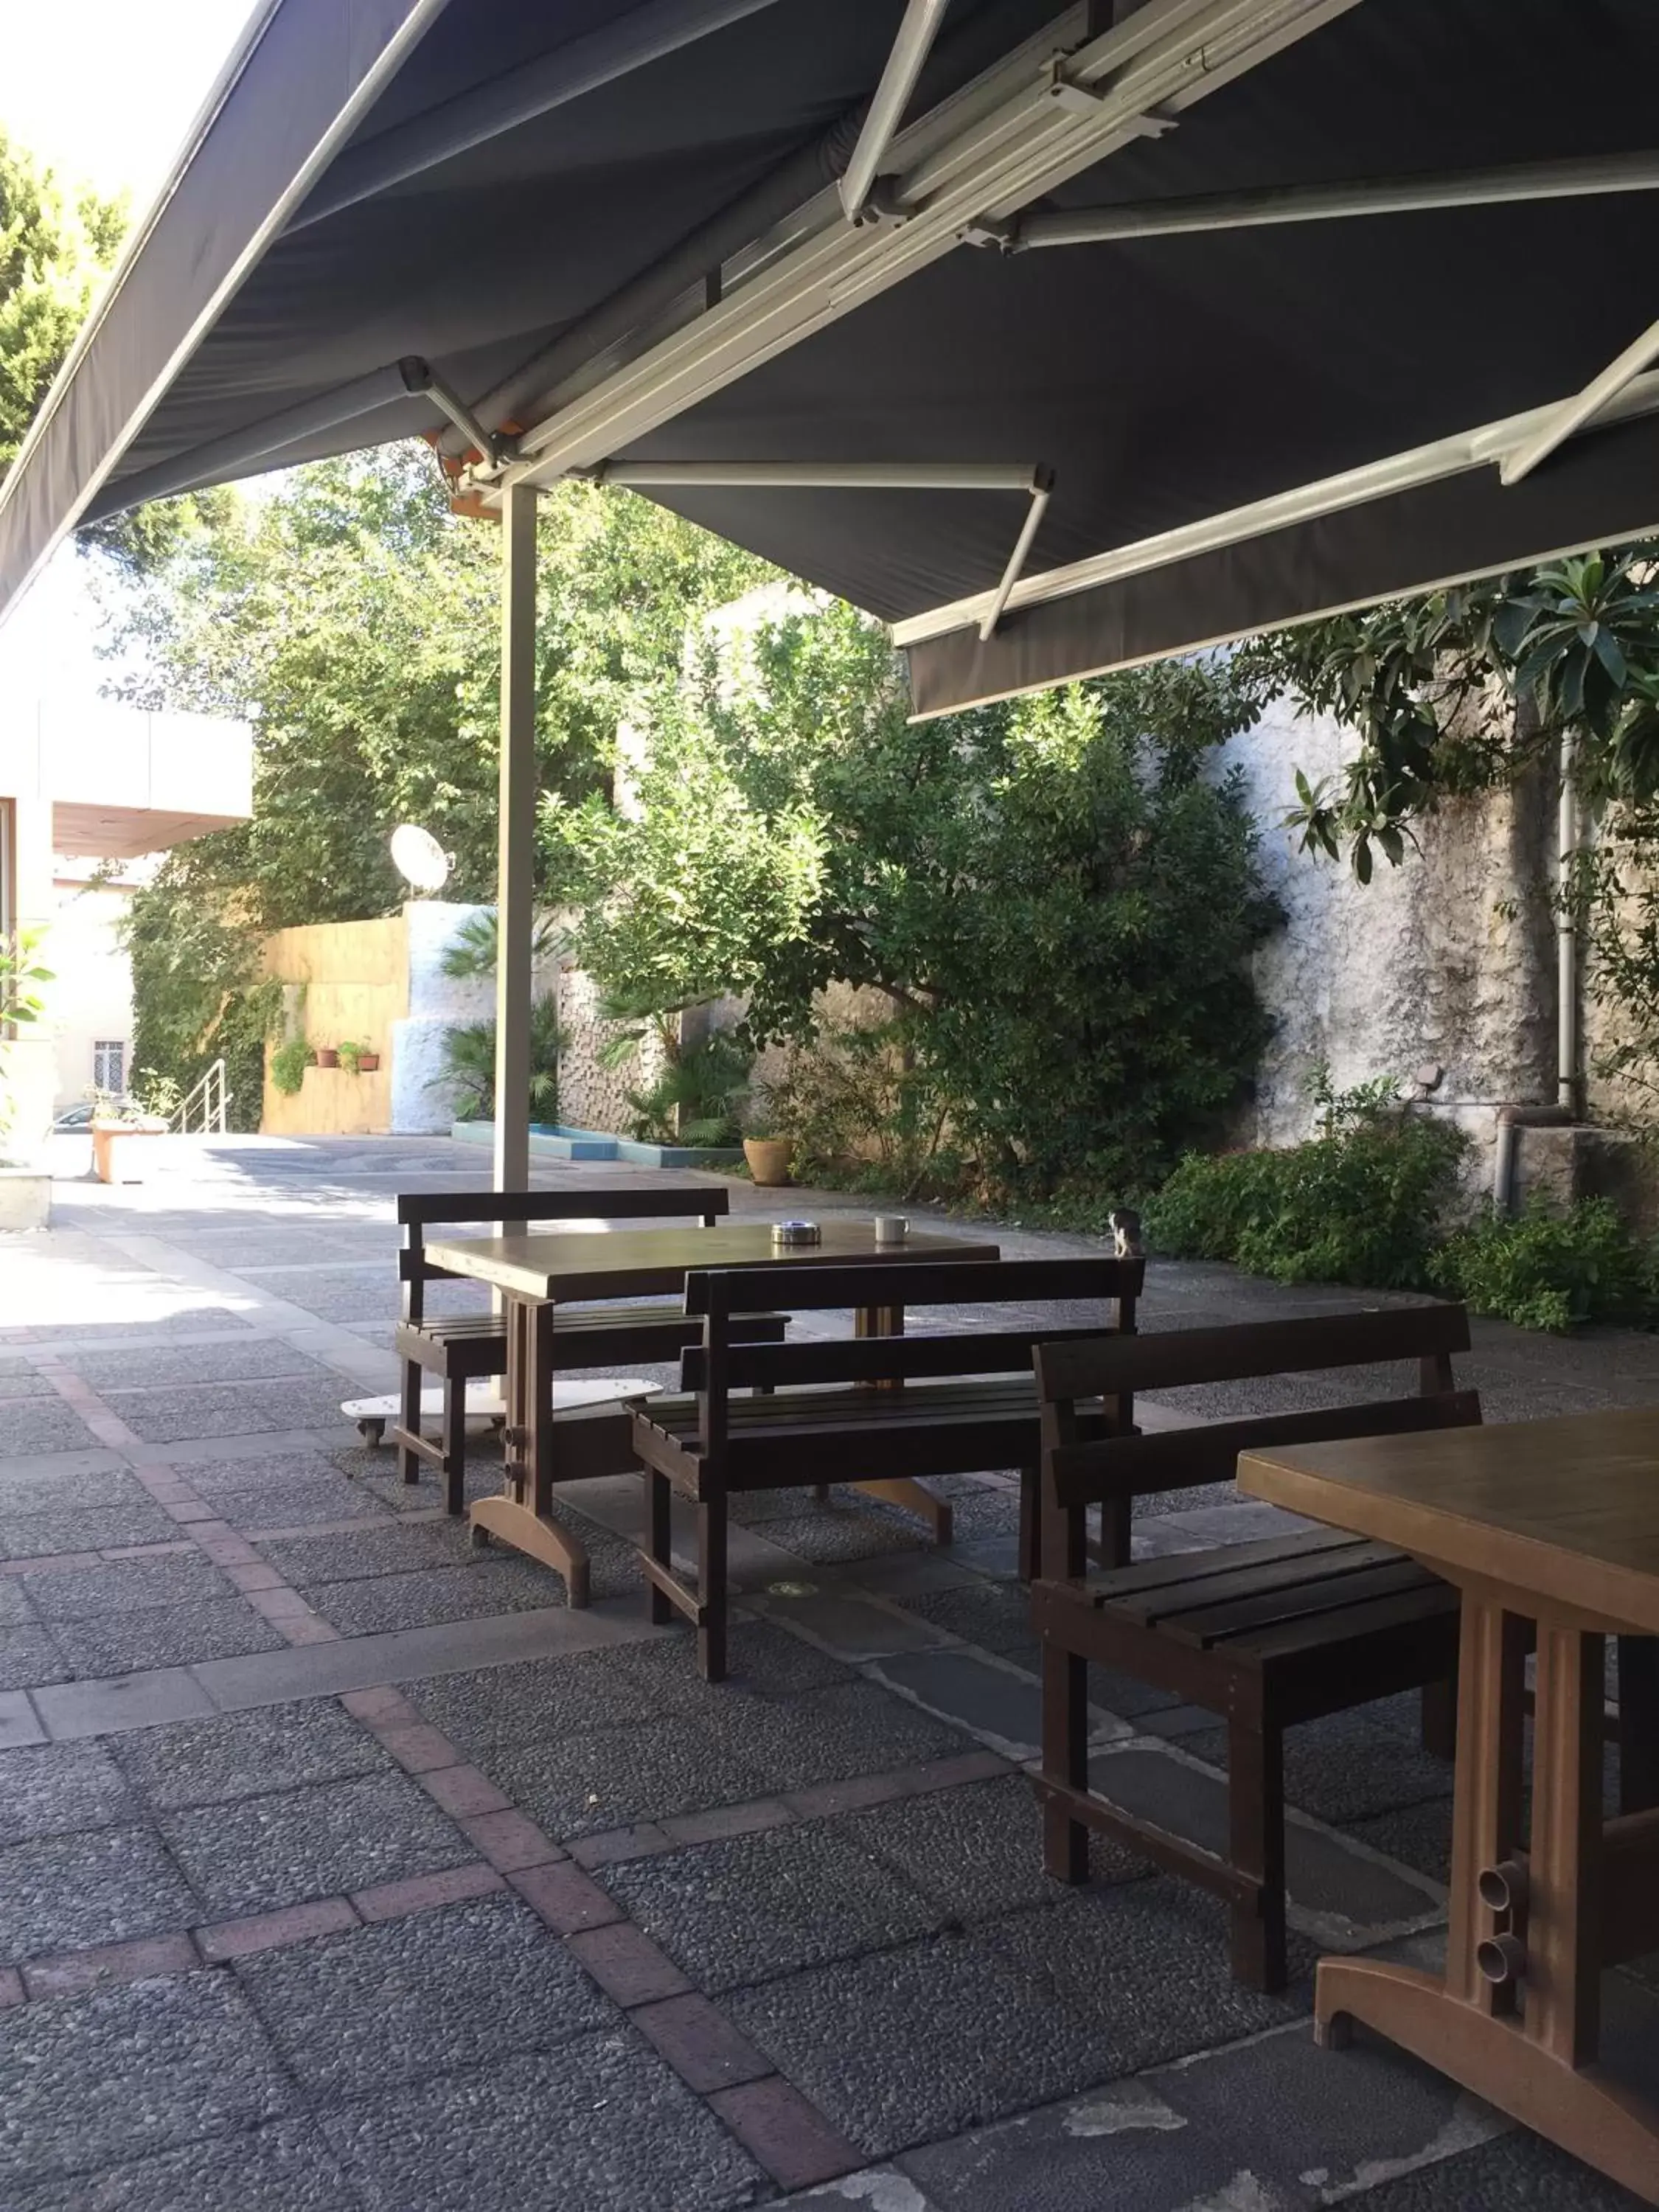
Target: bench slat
point(1182, 1567)
point(1170, 1359)
point(1217, 1577)
point(1301, 1599)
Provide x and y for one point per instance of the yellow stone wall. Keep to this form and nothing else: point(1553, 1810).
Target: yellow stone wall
point(347, 980)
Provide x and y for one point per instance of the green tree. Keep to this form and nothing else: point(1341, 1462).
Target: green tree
point(355, 621)
point(52, 254)
point(1054, 897)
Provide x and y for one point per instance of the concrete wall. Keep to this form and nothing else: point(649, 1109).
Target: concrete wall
point(1446, 962)
point(91, 995)
point(30, 1078)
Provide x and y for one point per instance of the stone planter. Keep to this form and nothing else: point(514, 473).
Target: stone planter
point(768, 1159)
point(25, 1197)
point(116, 1153)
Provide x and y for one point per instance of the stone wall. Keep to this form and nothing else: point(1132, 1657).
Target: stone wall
point(1445, 963)
point(592, 1095)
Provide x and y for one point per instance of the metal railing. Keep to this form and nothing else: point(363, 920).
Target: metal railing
point(205, 1105)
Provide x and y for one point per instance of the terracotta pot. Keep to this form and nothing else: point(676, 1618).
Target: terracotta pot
point(367, 1062)
point(768, 1159)
point(112, 1156)
point(327, 1056)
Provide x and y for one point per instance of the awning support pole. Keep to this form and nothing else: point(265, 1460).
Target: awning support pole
point(911, 47)
point(514, 890)
point(1572, 415)
point(1041, 486)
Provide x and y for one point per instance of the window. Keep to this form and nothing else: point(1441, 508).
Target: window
point(109, 1066)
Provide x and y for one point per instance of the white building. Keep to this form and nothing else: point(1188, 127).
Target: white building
point(83, 786)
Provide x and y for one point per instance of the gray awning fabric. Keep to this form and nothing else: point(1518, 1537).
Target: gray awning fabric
point(277, 307)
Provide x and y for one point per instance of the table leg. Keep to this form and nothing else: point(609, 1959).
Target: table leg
point(522, 1515)
point(902, 1490)
point(1529, 2063)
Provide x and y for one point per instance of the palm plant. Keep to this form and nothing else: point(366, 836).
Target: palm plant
point(468, 1064)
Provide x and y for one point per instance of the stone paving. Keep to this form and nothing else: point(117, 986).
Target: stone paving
point(344, 1869)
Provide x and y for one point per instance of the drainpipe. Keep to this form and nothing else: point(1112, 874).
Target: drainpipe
point(1566, 935)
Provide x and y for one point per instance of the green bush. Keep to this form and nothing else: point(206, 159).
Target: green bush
point(288, 1063)
point(1363, 1204)
point(696, 1097)
point(1549, 1270)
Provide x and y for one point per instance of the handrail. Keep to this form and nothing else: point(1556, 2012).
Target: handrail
point(210, 1099)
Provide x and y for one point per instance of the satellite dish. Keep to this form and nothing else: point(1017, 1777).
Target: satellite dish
point(419, 859)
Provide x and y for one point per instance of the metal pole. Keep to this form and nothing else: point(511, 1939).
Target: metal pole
point(513, 888)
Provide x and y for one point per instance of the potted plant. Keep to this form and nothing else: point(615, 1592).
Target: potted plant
point(118, 1122)
point(359, 1059)
point(329, 1055)
point(765, 1147)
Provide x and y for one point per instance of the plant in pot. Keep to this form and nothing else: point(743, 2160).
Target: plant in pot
point(118, 1123)
point(327, 1056)
point(359, 1059)
point(767, 1145)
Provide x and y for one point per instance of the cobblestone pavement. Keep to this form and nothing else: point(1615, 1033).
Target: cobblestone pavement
point(343, 1869)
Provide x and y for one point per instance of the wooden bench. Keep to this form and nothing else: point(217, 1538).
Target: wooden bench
point(1265, 1634)
point(880, 1408)
point(459, 1347)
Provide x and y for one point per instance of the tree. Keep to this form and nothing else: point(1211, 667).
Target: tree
point(52, 256)
point(354, 620)
point(1054, 899)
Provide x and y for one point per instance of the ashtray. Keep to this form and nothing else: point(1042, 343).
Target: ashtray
point(797, 1232)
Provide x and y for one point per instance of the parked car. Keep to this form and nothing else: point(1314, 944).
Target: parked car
point(74, 1118)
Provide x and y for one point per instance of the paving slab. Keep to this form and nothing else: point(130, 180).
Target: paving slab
point(105, 1529)
point(255, 1854)
point(602, 2124)
point(214, 1762)
point(540, 1699)
point(852, 1627)
point(53, 1789)
point(298, 1504)
point(464, 1985)
point(1324, 1875)
point(171, 1636)
point(69, 1893)
point(19, 1724)
point(830, 1735)
point(753, 1906)
point(1519, 2173)
point(832, 1534)
point(971, 1689)
point(130, 1701)
point(74, 1490)
point(1351, 1767)
point(43, 1424)
point(29, 1658)
point(761, 1660)
point(610, 1778)
point(90, 1594)
point(281, 2168)
point(308, 1562)
point(481, 1588)
point(87, 2083)
point(258, 1467)
point(977, 1851)
point(1120, 2146)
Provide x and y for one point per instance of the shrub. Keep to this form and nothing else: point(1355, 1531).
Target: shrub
point(468, 1064)
point(1363, 1204)
point(697, 1098)
point(288, 1063)
point(1548, 1270)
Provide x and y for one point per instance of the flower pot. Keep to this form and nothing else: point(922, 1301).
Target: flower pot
point(114, 1153)
point(367, 1062)
point(327, 1056)
point(768, 1159)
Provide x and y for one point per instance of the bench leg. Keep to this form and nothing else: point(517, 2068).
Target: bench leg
point(1116, 1541)
point(1255, 1812)
point(1438, 1723)
point(409, 1464)
point(1064, 1759)
point(1030, 1511)
point(1638, 1723)
point(659, 1504)
point(711, 1587)
point(454, 1445)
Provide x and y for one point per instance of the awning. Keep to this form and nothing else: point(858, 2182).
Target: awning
point(1333, 265)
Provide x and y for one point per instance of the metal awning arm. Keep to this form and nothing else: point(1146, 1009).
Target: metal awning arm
point(911, 47)
point(1576, 414)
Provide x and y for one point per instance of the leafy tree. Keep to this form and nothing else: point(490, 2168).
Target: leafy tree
point(51, 255)
point(356, 620)
point(1053, 896)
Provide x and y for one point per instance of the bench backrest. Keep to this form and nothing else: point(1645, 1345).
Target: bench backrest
point(1114, 1468)
point(418, 1210)
point(888, 1290)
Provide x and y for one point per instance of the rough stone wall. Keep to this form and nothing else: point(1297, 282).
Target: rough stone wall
point(1446, 962)
point(591, 1095)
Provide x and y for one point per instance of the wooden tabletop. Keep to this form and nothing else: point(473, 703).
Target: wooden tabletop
point(1565, 1511)
point(620, 1263)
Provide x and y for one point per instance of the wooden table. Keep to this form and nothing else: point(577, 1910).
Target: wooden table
point(1555, 1523)
point(533, 1273)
